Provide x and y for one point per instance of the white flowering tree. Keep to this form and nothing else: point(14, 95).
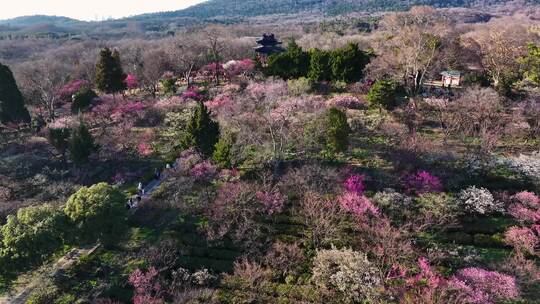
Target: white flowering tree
point(479, 201)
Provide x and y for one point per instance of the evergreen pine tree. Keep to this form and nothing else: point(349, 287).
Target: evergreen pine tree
point(348, 63)
point(383, 94)
point(12, 109)
point(337, 131)
point(59, 139)
point(292, 64)
point(81, 145)
point(109, 74)
point(319, 69)
point(202, 133)
point(223, 153)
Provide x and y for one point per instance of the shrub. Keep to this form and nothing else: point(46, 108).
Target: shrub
point(421, 182)
point(45, 293)
point(169, 85)
point(82, 100)
point(131, 81)
point(98, 213)
point(393, 203)
point(299, 86)
point(479, 201)
point(347, 272)
point(81, 145)
point(337, 131)
point(59, 139)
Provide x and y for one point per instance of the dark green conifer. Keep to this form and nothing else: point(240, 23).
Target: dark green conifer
point(12, 109)
point(81, 145)
point(337, 131)
point(109, 74)
point(202, 133)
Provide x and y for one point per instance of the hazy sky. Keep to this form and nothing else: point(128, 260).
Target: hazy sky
point(89, 9)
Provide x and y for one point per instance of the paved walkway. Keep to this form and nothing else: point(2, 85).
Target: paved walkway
point(20, 295)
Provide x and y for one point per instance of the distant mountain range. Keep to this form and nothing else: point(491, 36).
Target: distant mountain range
point(213, 10)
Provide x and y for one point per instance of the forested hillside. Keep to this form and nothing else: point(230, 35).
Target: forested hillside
point(215, 8)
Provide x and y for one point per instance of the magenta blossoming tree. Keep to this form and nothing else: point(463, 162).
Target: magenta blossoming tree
point(131, 81)
point(192, 93)
point(68, 90)
point(355, 184)
point(421, 182)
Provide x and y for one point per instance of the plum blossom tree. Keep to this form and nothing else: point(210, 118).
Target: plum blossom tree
point(358, 205)
point(355, 184)
point(272, 201)
point(479, 201)
point(421, 182)
point(480, 286)
point(131, 81)
point(523, 239)
point(147, 288)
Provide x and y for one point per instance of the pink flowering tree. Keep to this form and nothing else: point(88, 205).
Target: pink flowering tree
point(525, 207)
point(235, 68)
point(355, 184)
point(131, 109)
point(147, 287)
point(145, 143)
point(346, 102)
point(273, 201)
point(421, 182)
point(480, 286)
point(359, 205)
point(204, 171)
point(68, 90)
point(214, 70)
point(192, 93)
point(219, 102)
point(468, 285)
point(131, 81)
point(523, 239)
